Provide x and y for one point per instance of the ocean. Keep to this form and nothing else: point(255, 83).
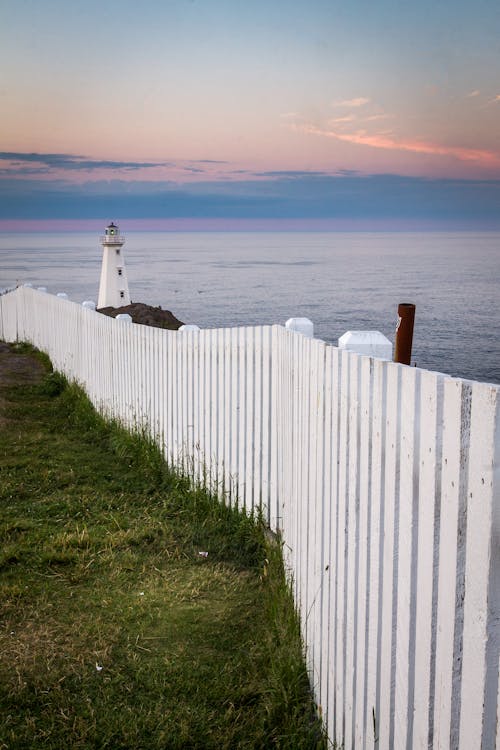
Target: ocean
point(340, 280)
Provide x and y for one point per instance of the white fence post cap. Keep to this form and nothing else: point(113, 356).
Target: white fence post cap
point(188, 327)
point(301, 325)
point(124, 317)
point(89, 304)
point(62, 295)
point(372, 343)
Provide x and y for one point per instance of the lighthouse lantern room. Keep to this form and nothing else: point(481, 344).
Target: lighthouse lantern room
point(113, 287)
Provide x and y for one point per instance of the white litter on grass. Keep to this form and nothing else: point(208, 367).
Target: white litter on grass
point(98, 667)
point(141, 593)
point(203, 554)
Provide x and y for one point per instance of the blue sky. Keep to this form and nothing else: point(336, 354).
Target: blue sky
point(254, 110)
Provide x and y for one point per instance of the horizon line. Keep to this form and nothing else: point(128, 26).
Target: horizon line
point(19, 226)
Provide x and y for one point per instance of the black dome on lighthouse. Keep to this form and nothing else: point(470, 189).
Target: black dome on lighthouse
point(112, 228)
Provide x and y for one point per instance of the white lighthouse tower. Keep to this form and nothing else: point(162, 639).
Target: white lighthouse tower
point(113, 287)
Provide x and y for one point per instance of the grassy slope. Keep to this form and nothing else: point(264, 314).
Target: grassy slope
point(114, 631)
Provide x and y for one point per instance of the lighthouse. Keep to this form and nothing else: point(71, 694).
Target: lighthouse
point(113, 287)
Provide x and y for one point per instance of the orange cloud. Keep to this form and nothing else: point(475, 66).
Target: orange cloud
point(388, 142)
point(359, 101)
point(347, 118)
point(372, 118)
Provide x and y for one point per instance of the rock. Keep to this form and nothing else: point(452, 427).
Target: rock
point(146, 315)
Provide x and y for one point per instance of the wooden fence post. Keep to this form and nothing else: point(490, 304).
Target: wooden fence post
point(404, 333)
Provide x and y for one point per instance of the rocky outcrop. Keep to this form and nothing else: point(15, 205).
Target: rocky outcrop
point(146, 315)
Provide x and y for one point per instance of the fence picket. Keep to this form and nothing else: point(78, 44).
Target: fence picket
point(455, 436)
point(352, 546)
point(481, 628)
point(364, 548)
point(384, 717)
point(429, 488)
point(406, 573)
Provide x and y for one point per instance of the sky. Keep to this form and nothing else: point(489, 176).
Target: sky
point(313, 111)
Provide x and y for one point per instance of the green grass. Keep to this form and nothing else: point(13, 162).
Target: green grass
point(114, 631)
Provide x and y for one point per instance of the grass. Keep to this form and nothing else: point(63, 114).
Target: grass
point(114, 631)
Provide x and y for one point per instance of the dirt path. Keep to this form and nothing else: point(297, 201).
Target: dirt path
point(16, 368)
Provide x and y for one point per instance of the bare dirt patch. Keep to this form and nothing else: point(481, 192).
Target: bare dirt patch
point(16, 368)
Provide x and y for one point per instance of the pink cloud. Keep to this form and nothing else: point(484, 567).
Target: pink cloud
point(388, 142)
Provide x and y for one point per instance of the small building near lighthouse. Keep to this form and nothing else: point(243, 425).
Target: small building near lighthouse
point(113, 286)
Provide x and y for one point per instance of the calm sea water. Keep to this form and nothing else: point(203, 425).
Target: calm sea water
point(341, 281)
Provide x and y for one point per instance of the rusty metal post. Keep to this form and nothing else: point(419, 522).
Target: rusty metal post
point(404, 333)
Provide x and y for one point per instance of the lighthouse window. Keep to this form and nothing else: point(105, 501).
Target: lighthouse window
point(118, 251)
point(122, 294)
point(120, 272)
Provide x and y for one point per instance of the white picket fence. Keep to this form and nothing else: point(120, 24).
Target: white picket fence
point(383, 481)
